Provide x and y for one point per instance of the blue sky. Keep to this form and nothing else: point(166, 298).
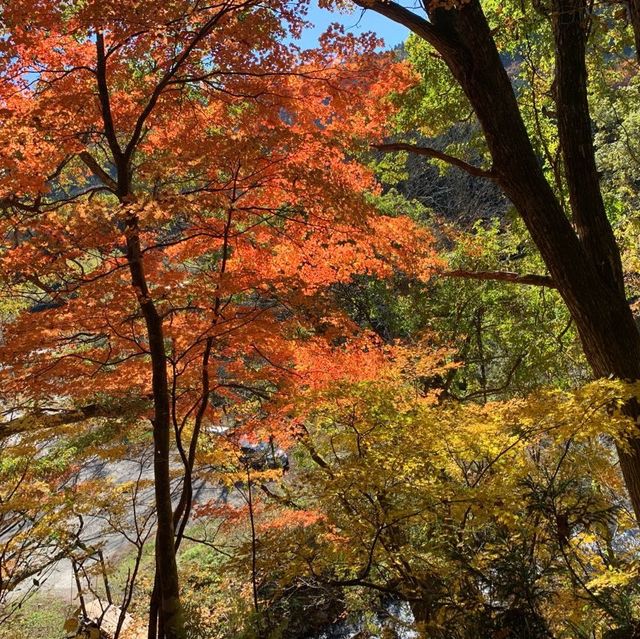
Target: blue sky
point(356, 22)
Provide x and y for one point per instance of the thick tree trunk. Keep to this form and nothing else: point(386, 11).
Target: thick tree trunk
point(585, 267)
point(570, 24)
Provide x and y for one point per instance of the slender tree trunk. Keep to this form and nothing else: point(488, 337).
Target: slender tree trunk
point(570, 23)
point(172, 618)
point(171, 609)
point(154, 609)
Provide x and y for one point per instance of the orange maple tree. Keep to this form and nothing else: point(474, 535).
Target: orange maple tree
point(180, 189)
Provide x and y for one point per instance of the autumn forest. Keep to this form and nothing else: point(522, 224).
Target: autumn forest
point(319, 338)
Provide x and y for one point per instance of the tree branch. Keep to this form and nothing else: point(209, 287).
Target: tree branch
point(476, 171)
point(43, 419)
point(97, 170)
point(576, 141)
point(419, 25)
point(530, 279)
point(105, 99)
point(200, 35)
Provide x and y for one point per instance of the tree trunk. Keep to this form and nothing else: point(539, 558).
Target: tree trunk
point(595, 299)
point(584, 268)
point(570, 23)
point(166, 566)
point(422, 612)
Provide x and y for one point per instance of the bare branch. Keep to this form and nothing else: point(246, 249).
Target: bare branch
point(419, 25)
point(105, 99)
point(530, 279)
point(97, 170)
point(438, 155)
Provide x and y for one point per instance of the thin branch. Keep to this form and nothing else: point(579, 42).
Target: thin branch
point(476, 171)
point(200, 35)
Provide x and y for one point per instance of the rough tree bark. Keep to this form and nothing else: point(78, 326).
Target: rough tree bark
point(584, 262)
